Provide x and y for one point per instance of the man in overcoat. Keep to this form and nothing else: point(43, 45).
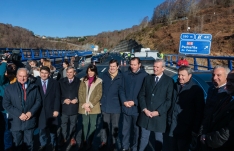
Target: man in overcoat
point(155, 100)
point(218, 129)
point(186, 113)
point(218, 90)
point(48, 119)
point(132, 82)
point(111, 104)
point(22, 101)
point(69, 87)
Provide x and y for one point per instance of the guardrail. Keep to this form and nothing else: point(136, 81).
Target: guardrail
point(172, 59)
point(37, 54)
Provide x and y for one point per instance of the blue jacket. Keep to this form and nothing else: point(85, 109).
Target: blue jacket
point(111, 91)
point(132, 83)
point(15, 105)
point(3, 82)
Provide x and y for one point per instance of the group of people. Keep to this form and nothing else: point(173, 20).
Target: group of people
point(34, 67)
point(176, 112)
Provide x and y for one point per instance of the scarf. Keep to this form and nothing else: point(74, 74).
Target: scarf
point(90, 80)
point(113, 75)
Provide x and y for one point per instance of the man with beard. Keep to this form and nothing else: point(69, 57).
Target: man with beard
point(218, 129)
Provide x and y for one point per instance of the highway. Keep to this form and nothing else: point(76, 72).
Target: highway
point(103, 67)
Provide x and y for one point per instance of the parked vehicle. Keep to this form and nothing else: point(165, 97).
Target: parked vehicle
point(153, 54)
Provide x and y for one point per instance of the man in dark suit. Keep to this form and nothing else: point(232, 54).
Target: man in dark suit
point(69, 87)
point(154, 100)
point(22, 101)
point(132, 82)
point(218, 129)
point(186, 113)
point(48, 119)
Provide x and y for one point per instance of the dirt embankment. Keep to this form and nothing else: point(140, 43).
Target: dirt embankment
point(216, 21)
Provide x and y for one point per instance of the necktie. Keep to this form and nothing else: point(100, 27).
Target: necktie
point(44, 87)
point(70, 81)
point(156, 80)
point(23, 87)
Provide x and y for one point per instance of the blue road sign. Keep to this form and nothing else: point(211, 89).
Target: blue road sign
point(195, 43)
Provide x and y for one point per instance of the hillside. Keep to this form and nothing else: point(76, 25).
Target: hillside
point(166, 38)
point(161, 32)
point(18, 37)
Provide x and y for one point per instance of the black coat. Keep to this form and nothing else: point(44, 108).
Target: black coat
point(187, 110)
point(60, 74)
point(214, 96)
point(15, 105)
point(111, 90)
point(50, 103)
point(132, 83)
point(76, 62)
point(155, 98)
point(219, 127)
point(69, 91)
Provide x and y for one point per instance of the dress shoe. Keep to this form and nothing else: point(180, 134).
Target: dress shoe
point(54, 148)
point(42, 148)
point(102, 145)
point(73, 142)
point(62, 142)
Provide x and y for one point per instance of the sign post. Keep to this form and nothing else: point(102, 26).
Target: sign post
point(195, 43)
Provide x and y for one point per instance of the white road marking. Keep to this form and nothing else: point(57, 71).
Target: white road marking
point(171, 70)
point(103, 69)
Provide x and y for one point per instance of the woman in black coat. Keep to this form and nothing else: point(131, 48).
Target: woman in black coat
point(62, 71)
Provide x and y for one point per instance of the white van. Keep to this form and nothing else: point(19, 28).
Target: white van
point(153, 54)
point(145, 49)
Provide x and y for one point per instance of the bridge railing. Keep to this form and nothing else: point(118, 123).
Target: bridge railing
point(56, 56)
point(199, 62)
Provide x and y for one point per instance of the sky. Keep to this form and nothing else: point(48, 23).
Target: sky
point(62, 18)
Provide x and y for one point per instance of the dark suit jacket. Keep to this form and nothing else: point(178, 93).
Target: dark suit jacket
point(155, 98)
point(50, 103)
point(69, 91)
